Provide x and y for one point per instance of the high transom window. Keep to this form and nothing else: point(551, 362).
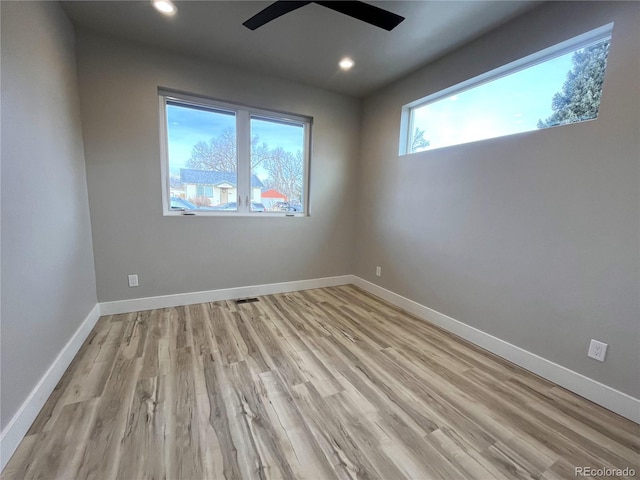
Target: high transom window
point(557, 86)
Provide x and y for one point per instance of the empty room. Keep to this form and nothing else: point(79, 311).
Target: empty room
point(320, 240)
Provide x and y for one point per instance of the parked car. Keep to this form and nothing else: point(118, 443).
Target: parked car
point(226, 206)
point(286, 207)
point(182, 204)
point(178, 203)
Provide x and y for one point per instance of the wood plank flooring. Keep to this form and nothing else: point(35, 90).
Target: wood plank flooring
point(329, 383)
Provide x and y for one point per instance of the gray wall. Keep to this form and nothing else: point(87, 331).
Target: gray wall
point(118, 90)
point(533, 238)
point(48, 274)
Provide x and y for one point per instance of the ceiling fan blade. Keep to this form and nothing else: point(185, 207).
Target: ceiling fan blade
point(272, 12)
point(367, 13)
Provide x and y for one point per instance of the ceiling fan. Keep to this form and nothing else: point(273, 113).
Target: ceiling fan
point(359, 10)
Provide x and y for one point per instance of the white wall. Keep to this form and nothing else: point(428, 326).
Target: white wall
point(118, 88)
point(48, 277)
point(533, 238)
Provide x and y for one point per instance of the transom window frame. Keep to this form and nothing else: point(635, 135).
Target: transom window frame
point(243, 115)
point(575, 43)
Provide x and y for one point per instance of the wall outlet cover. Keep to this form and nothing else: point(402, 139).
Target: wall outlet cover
point(597, 350)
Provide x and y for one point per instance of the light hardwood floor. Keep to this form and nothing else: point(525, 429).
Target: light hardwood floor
point(327, 383)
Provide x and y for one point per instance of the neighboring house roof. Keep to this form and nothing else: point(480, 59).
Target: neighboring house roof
point(271, 193)
point(207, 177)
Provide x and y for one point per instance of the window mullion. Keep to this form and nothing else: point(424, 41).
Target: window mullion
point(244, 160)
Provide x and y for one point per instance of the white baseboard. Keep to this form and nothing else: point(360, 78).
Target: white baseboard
point(166, 301)
point(614, 400)
point(19, 425)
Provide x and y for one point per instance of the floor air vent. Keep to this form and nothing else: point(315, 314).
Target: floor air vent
point(246, 300)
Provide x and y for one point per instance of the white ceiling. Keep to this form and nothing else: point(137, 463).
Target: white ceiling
point(304, 45)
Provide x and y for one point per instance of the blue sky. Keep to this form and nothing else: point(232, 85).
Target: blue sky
point(289, 137)
point(188, 126)
point(508, 105)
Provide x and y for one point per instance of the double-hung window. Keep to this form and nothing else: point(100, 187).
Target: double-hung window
point(556, 86)
point(220, 158)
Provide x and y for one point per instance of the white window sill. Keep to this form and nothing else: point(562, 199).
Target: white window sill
point(194, 213)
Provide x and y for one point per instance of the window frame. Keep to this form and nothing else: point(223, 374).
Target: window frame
point(575, 43)
point(243, 114)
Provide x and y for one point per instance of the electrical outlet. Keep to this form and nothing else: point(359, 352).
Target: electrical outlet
point(378, 271)
point(133, 280)
point(597, 350)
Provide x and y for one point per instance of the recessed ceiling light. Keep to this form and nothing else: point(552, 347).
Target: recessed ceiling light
point(346, 63)
point(165, 6)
